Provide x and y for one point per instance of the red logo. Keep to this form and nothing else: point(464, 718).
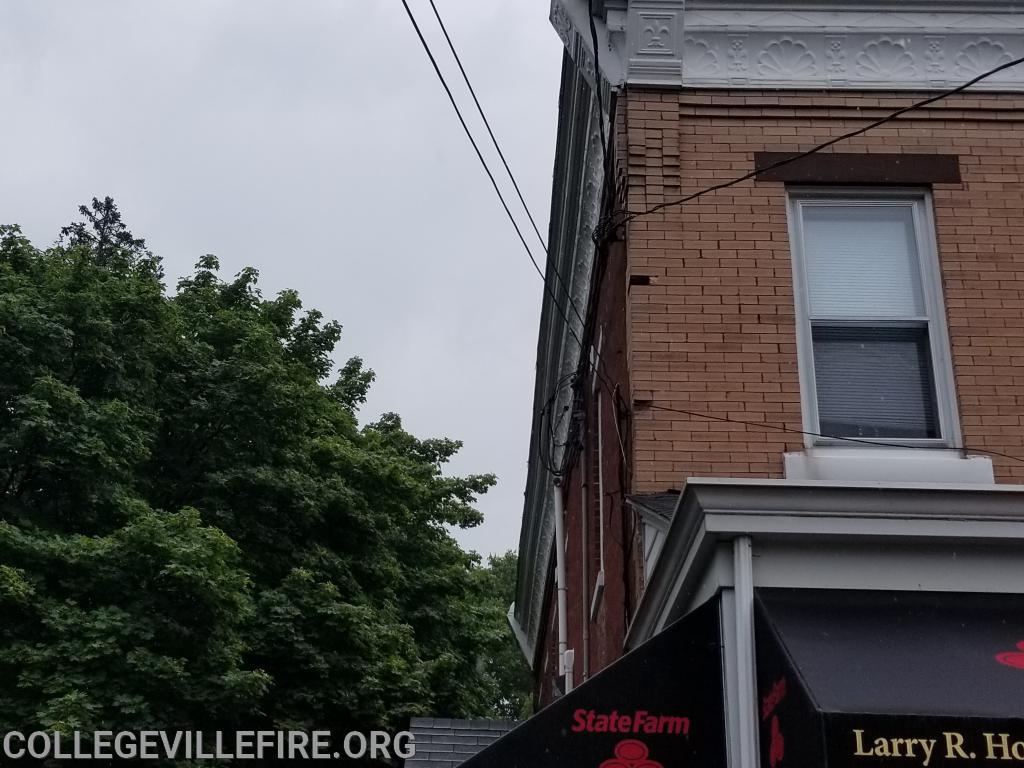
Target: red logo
point(777, 745)
point(777, 751)
point(1012, 658)
point(631, 753)
point(773, 698)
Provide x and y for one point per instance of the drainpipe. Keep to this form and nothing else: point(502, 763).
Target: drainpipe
point(585, 567)
point(564, 654)
point(595, 604)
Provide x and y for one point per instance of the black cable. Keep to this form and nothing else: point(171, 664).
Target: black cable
point(568, 457)
point(546, 429)
point(480, 109)
point(860, 441)
point(497, 147)
point(545, 451)
point(609, 222)
point(629, 216)
point(487, 170)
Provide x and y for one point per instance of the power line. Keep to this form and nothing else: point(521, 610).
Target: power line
point(809, 433)
point(543, 451)
point(497, 147)
point(487, 170)
point(628, 216)
point(610, 222)
point(487, 124)
point(546, 429)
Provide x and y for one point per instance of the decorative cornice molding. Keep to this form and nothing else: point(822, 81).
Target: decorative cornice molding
point(805, 45)
point(570, 18)
point(654, 41)
point(850, 50)
point(640, 41)
point(930, 6)
point(904, 20)
point(577, 190)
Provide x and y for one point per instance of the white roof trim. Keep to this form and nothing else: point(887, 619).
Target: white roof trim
point(900, 516)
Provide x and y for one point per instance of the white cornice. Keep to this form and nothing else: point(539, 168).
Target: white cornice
point(638, 41)
point(905, 21)
point(850, 50)
point(576, 194)
point(909, 45)
point(571, 21)
point(931, 6)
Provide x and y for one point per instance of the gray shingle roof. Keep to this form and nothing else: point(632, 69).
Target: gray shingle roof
point(445, 743)
point(661, 504)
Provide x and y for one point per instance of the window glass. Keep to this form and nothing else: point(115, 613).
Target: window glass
point(872, 340)
point(875, 382)
point(862, 261)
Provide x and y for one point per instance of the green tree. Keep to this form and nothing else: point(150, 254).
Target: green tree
point(194, 528)
point(505, 665)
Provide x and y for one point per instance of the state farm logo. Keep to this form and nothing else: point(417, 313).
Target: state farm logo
point(777, 743)
point(640, 721)
point(1013, 658)
point(631, 753)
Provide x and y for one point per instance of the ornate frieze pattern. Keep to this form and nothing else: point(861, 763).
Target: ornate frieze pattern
point(658, 42)
point(654, 39)
point(570, 20)
point(747, 49)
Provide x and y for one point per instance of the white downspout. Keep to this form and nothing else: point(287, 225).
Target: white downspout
point(585, 568)
point(595, 604)
point(746, 674)
point(564, 654)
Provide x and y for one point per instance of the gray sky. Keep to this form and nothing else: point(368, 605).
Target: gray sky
point(311, 139)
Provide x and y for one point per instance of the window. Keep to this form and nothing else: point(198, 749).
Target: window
point(873, 349)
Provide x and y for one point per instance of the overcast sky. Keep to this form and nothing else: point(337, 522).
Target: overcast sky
point(311, 139)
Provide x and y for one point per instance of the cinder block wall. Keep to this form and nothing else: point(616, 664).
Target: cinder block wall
point(714, 331)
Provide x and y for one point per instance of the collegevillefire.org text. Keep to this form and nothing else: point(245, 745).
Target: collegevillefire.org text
point(206, 745)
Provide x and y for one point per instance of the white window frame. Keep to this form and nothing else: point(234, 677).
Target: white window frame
point(931, 288)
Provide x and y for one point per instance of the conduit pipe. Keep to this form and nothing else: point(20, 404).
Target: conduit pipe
point(595, 605)
point(564, 655)
point(585, 565)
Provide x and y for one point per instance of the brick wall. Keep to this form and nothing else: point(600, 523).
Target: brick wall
point(598, 642)
point(714, 331)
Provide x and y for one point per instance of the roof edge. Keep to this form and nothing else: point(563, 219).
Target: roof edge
point(716, 509)
point(577, 189)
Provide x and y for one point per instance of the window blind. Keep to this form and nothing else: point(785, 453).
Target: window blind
point(862, 261)
point(875, 382)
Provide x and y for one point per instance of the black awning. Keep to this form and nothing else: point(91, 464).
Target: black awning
point(659, 706)
point(865, 678)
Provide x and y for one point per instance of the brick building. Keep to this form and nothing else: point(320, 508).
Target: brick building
point(838, 339)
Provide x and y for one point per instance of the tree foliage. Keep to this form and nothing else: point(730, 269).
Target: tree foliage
point(195, 529)
point(505, 663)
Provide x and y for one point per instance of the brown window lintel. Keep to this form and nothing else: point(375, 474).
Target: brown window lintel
point(859, 168)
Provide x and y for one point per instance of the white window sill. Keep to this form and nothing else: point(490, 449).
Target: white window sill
point(888, 465)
